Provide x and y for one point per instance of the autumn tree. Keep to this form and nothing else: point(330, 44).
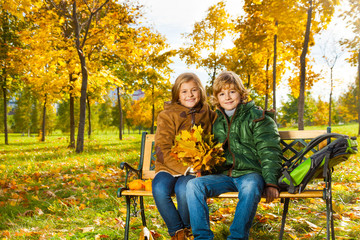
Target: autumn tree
point(26, 112)
point(105, 116)
point(126, 101)
point(321, 113)
point(331, 53)
point(140, 112)
point(84, 18)
point(353, 44)
point(155, 74)
point(204, 47)
point(123, 49)
point(264, 44)
point(288, 113)
point(49, 56)
point(10, 57)
point(63, 115)
point(285, 29)
point(253, 51)
point(81, 30)
point(348, 104)
point(322, 10)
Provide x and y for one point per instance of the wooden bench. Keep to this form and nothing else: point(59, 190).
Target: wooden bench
point(291, 142)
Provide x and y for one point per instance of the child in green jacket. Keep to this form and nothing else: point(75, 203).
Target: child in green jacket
point(252, 150)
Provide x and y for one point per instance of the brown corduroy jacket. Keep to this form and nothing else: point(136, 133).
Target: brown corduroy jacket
point(173, 119)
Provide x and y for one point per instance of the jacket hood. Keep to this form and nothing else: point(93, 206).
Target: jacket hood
point(240, 108)
point(178, 107)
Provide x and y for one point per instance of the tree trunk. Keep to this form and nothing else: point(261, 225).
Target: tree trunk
point(81, 128)
point(359, 91)
point(267, 84)
point(89, 117)
point(330, 97)
point(249, 81)
point(301, 103)
point(153, 111)
point(84, 73)
point(72, 113)
point(120, 113)
point(274, 72)
point(5, 114)
point(213, 77)
point(43, 128)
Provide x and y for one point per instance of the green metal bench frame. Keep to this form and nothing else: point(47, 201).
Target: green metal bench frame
point(290, 141)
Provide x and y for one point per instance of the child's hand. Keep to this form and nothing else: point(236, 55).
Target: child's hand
point(271, 193)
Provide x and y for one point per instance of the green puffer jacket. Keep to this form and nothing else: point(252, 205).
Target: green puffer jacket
point(251, 142)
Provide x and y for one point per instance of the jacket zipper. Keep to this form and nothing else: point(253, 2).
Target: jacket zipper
point(192, 112)
point(228, 139)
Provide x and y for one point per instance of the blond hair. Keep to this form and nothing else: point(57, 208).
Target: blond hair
point(183, 78)
point(224, 80)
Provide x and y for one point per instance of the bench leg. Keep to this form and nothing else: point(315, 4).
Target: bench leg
point(142, 211)
point(127, 222)
point(283, 219)
point(329, 210)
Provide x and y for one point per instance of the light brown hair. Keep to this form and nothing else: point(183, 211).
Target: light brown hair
point(224, 80)
point(183, 78)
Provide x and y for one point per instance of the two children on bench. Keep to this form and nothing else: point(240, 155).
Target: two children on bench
point(252, 150)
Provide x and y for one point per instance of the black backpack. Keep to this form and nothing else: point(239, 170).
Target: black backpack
point(299, 172)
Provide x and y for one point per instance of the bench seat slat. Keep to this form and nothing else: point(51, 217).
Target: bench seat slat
point(305, 194)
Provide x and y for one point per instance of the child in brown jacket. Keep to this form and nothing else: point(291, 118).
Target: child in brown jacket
point(187, 108)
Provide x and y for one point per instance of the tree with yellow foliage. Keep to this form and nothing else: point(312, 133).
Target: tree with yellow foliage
point(155, 74)
point(353, 18)
point(347, 106)
point(323, 10)
point(204, 46)
point(10, 57)
point(46, 57)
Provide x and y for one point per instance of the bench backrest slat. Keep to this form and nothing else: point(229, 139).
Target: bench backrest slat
point(148, 172)
point(289, 140)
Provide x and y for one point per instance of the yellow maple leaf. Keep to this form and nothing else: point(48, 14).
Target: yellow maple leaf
point(194, 149)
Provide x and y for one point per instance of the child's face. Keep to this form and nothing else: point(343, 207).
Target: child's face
point(189, 94)
point(228, 97)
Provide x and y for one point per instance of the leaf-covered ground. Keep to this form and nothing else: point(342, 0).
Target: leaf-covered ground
point(50, 192)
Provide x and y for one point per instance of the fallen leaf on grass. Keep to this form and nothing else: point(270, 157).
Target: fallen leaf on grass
point(313, 226)
point(87, 229)
point(5, 233)
point(27, 232)
point(98, 221)
point(352, 216)
point(293, 236)
point(151, 206)
point(28, 213)
point(120, 224)
point(38, 211)
point(101, 236)
point(49, 194)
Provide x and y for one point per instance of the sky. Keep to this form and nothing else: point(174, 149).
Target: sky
point(172, 18)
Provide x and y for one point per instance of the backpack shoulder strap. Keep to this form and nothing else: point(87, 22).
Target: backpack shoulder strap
point(313, 143)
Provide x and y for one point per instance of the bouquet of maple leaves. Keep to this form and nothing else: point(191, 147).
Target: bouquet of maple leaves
point(194, 150)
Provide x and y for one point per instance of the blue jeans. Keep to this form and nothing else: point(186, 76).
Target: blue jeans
point(163, 186)
point(250, 187)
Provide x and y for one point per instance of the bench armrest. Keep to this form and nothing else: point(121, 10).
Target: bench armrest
point(129, 169)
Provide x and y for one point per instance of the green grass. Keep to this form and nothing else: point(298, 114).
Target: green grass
point(50, 192)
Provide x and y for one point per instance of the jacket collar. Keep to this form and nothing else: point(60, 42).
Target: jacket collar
point(240, 109)
point(179, 107)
